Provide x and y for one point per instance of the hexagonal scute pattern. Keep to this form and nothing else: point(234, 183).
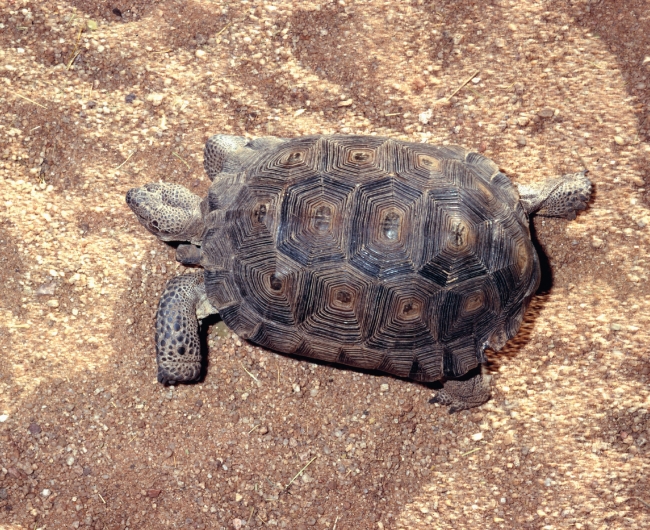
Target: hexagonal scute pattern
point(367, 251)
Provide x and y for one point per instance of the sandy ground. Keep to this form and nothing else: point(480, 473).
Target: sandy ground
point(96, 100)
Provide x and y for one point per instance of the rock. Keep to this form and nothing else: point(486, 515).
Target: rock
point(619, 140)
point(521, 140)
point(345, 103)
point(53, 303)
point(46, 289)
point(522, 121)
point(34, 428)
point(70, 460)
point(129, 98)
point(546, 112)
point(425, 116)
point(200, 54)
point(597, 242)
point(478, 436)
point(155, 98)
point(383, 387)
point(419, 83)
point(615, 327)
point(153, 493)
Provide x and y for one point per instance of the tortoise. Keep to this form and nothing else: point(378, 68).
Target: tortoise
point(405, 258)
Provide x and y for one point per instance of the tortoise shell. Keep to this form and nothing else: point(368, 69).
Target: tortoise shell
point(367, 251)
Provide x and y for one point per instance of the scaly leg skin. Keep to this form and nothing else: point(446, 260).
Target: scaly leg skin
point(169, 211)
point(466, 393)
point(219, 150)
point(557, 197)
point(229, 154)
point(178, 348)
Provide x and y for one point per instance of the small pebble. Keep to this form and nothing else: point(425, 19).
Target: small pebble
point(53, 303)
point(46, 493)
point(200, 53)
point(522, 121)
point(521, 140)
point(478, 436)
point(153, 493)
point(34, 428)
point(546, 113)
point(476, 80)
point(3, 418)
point(619, 140)
point(70, 460)
point(129, 98)
point(345, 103)
point(597, 242)
point(238, 497)
point(615, 327)
point(383, 387)
point(46, 288)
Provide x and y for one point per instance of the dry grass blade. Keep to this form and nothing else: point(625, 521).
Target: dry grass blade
point(256, 426)
point(299, 472)
point(223, 29)
point(470, 452)
point(27, 99)
point(127, 159)
point(252, 376)
point(102, 498)
point(463, 84)
point(75, 52)
point(181, 159)
point(641, 501)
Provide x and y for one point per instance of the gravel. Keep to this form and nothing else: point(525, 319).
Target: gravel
point(64, 169)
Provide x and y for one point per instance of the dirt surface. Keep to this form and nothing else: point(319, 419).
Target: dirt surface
point(96, 100)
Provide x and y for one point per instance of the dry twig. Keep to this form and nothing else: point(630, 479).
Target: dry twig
point(463, 84)
point(127, 159)
point(26, 98)
point(299, 472)
point(254, 378)
point(181, 159)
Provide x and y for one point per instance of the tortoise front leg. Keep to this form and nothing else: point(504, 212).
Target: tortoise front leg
point(178, 347)
point(470, 391)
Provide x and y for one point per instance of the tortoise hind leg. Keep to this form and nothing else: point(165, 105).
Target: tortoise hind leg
point(224, 153)
point(557, 197)
point(470, 391)
point(178, 348)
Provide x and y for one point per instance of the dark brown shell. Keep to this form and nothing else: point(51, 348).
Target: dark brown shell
point(372, 252)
